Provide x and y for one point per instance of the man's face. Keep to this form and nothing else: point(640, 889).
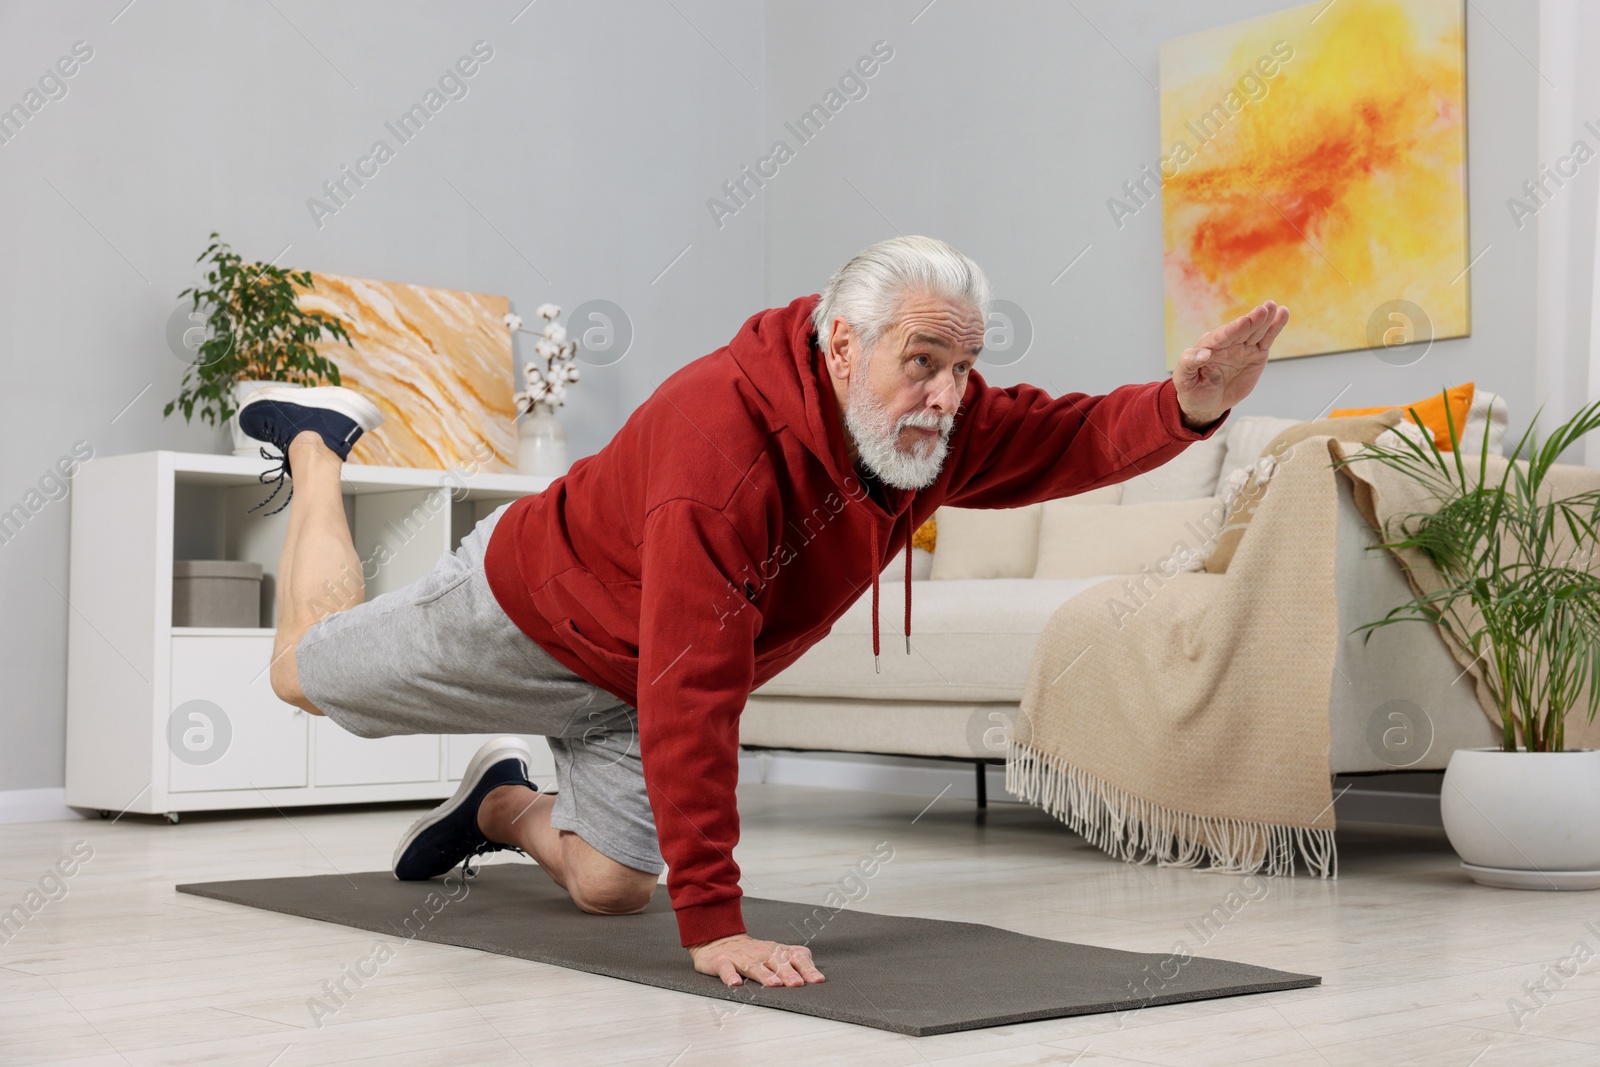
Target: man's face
point(901, 410)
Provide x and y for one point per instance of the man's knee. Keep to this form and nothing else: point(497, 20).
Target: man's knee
point(620, 891)
point(285, 675)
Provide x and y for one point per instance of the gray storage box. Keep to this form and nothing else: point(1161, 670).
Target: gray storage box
point(216, 592)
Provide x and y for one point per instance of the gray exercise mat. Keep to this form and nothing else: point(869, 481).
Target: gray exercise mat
point(912, 976)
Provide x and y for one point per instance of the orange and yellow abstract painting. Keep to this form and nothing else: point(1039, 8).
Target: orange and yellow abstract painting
point(1317, 157)
point(437, 362)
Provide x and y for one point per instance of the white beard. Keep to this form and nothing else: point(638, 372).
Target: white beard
point(877, 433)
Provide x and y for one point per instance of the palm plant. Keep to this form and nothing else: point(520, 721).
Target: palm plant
point(1516, 565)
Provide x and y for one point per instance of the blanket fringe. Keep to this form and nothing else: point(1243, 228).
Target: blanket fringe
point(1134, 829)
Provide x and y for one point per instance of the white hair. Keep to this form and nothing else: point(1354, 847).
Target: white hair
point(867, 291)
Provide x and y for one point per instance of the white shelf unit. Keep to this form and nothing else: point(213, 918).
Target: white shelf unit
point(128, 667)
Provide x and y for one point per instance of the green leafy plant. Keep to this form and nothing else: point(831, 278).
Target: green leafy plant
point(255, 331)
point(1517, 566)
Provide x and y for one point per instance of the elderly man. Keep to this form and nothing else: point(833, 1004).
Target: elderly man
point(742, 508)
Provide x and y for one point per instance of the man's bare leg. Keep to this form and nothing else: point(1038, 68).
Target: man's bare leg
point(319, 571)
point(517, 815)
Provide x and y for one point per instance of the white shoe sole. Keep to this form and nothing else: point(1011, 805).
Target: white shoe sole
point(492, 752)
point(346, 402)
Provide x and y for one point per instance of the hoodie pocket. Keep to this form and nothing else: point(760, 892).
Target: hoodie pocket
point(435, 585)
point(624, 666)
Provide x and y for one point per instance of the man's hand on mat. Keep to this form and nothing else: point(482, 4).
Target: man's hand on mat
point(1224, 365)
point(733, 959)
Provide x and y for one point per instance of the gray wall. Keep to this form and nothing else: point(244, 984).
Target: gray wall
point(1004, 127)
point(592, 142)
point(589, 140)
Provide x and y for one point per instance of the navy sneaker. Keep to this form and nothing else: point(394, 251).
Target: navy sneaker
point(449, 834)
point(275, 415)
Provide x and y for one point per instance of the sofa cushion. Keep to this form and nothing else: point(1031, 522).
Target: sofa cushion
point(1486, 417)
point(1244, 496)
point(971, 639)
point(966, 729)
point(921, 566)
point(986, 542)
point(1246, 440)
point(1106, 494)
point(1431, 412)
point(1188, 476)
point(994, 542)
point(1082, 542)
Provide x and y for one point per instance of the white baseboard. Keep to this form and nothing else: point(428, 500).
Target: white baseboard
point(34, 805)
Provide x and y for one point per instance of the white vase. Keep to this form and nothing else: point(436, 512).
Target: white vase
point(541, 443)
point(1524, 820)
point(243, 444)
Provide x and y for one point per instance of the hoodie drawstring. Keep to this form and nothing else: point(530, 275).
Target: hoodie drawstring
point(908, 584)
point(875, 568)
point(875, 558)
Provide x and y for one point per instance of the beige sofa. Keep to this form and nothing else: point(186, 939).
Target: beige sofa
point(973, 638)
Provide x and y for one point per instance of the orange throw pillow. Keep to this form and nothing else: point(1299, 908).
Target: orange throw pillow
point(1431, 411)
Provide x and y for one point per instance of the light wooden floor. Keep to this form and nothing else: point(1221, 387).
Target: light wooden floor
point(1418, 963)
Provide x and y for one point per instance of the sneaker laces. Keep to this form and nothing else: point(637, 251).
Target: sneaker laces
point(266, 476)
point(487, 846)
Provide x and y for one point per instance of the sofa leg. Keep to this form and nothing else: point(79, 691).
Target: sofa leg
point(983, 784)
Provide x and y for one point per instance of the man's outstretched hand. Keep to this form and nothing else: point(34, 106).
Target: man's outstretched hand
point(733, 959)
point(1224, 365)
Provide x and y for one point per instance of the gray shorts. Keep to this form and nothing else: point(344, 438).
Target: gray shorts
point(441, 657)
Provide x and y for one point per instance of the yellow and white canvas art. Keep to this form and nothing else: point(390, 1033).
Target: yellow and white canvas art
point(1317, 157)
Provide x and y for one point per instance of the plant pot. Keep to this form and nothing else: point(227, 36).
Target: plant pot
point(541, 443)
point(244, 445)
point(1524, 820)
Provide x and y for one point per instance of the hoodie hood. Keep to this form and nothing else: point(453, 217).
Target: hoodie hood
point(778, 352)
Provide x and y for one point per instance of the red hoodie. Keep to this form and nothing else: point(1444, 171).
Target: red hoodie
point(723, 530)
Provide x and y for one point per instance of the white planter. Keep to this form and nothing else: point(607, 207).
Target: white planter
point(541, 443)
point(1524, 820)
point(244, 445)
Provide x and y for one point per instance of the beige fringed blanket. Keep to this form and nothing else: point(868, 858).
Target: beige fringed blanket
point(1184, 719)
point(1194, 729)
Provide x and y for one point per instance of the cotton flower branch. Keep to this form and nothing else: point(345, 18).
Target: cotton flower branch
point(545, 380)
